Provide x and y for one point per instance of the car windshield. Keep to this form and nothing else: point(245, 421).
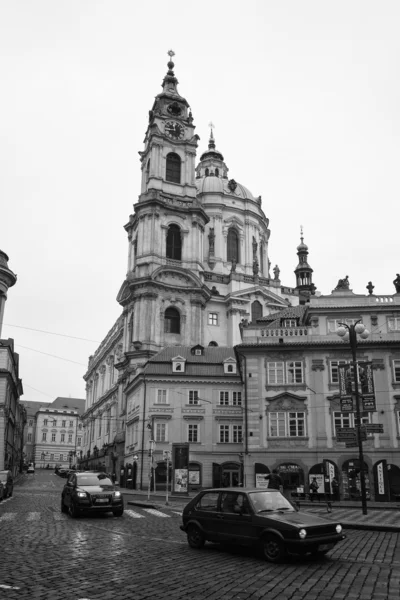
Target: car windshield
point(94, 479)
point(269, 501)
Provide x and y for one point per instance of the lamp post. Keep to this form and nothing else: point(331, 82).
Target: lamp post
point(349, 333)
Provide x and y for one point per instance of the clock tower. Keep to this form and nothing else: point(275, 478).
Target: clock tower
point(168, 159)
point(163, 295)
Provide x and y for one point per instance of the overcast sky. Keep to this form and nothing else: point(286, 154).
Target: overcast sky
point(305, 98)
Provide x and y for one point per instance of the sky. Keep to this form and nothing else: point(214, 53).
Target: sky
point(305, 99)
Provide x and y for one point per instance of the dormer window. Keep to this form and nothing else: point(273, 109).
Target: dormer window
point(289, 323)
point(198, 350)
point(178, 364)
point(230, 366)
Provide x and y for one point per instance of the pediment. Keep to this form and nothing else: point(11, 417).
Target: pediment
point(285, 401)
point(234, 221)
point(264, 295)
point(177, 277)
point(124, 293)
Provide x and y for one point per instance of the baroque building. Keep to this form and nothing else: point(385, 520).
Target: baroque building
point(198, 269)
point(296, 422)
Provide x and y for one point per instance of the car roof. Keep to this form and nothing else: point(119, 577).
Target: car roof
point(240, 489)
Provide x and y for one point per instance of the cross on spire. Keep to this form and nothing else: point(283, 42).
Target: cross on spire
point(171, 53)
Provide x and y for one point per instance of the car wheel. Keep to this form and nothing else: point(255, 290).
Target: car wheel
point(195, 537)
point(118, 513)
point(72, 510)
point(64, 509)
point(273, 548)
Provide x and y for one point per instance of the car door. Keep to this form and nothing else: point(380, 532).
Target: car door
point(208, 515)
point(237, 518)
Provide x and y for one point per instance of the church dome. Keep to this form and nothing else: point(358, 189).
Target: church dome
point(209, 184)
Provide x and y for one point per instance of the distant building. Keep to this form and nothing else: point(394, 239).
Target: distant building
point(58, 432)
point(30, 430)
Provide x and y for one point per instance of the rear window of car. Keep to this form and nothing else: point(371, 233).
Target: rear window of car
point(208, 501)
point(93, 480)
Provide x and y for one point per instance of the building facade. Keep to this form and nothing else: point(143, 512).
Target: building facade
point(290, 365)
point(31, 408)
point(59, 433)
point(12, 412)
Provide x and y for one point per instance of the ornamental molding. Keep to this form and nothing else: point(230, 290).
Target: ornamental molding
point(378, 364)
point(287, 443)
point(317, 364)
point(192, 418)
point(228, 418)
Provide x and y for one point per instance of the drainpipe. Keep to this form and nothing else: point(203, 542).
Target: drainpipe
point(246, 441)
point(143, 429)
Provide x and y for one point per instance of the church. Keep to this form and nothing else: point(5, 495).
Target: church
point(197, 297)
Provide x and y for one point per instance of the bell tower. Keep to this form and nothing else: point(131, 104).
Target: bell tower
point(168, 158)
point(163, 295)
point(304, 272)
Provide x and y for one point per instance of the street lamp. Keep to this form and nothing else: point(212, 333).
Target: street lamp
point(349, 334)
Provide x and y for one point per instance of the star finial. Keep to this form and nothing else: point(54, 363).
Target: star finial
point(301, 232)
point(171, 53)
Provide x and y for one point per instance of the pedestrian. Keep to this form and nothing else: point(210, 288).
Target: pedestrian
point(313, 488)
point(275, 481)
point(335, 489)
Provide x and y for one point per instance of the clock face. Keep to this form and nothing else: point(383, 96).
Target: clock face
point(174, 130)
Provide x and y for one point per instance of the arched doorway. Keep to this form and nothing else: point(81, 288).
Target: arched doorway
point(229, 474)
point(351, 481)
point(260, 471)
point(324, 473)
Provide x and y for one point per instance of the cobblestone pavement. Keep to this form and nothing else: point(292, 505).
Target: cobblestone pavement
point(46, 555)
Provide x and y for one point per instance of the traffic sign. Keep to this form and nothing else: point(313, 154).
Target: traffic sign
point(346, 434)
point(374, 428)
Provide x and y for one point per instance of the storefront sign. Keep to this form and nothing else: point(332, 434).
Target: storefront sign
point(261, 480)
point(345, 388)
point(367, 389)
point(380, 478)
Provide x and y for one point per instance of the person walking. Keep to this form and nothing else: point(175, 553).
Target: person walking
point(275, 481)
point(335, 489)
point(313, 488)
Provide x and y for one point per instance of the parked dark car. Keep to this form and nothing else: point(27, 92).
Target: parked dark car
point(90, 492)
point(6, 484)
point(258, 517)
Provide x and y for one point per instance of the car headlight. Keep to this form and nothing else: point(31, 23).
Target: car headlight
point(81, 494)
point(302, 533)
point(339, 529)
point(117, 494)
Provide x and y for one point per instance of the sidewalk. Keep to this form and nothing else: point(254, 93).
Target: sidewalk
point(381, 516)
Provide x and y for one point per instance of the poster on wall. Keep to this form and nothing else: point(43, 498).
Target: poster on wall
point(180, 468)
point(261, 480)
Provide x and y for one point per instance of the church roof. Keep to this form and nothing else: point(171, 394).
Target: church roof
point(61, 403)
point(214, 184)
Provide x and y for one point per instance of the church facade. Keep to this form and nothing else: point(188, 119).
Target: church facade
point(198, 272)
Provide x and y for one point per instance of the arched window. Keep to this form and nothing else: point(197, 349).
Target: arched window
point(172, 321)
point(233, 246)
point(216, 172)
point(256, 311)
point(173, 172)
point(174, 242)
point(148, 168)
point(207, 172)
point(213, 344)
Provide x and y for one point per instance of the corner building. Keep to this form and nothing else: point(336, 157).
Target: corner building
point(198, 268)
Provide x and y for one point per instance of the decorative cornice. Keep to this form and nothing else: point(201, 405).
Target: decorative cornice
point(317, 364)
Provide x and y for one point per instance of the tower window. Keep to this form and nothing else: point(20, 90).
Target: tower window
point(233, 246)
point(172, 321)
point(174, 243)
point(256, 311)
point(216, 172)
point(207, 172)
point(173, 172)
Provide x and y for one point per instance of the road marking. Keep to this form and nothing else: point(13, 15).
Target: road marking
point(177, 513)
point(9, 587)
point(133, 514)
point(33, 516)
point(156, 513)
point(8, 517)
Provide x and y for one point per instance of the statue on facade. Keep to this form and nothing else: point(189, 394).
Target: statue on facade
point(255, 246)
point(396, 283)
point(233, 268)
point(343, 284)
point(370, 287)
point(214, 291)
point(211, 239)
point(277, 271)
point(255, 267)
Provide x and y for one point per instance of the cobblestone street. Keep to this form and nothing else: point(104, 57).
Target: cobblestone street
point(46, 555)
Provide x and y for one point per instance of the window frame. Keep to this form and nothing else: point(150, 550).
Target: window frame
point(160, 432)
point(173, 168)
point(193, 433)
point(193, 397)
point(348, 420)
point(283, 421)
point(278, 372)
point(163, 394)
point(230, 434)
point(213, 319)
point(396, 324)
point(396, 370)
